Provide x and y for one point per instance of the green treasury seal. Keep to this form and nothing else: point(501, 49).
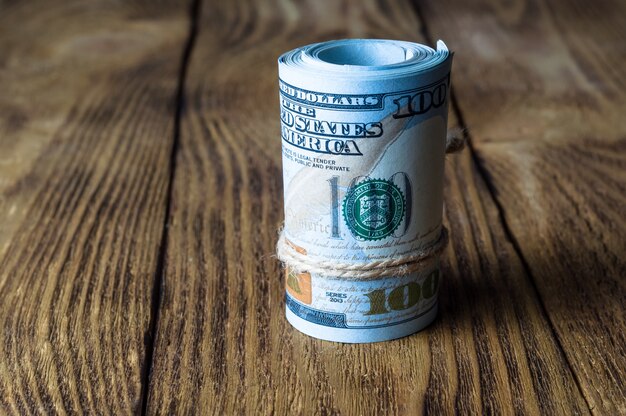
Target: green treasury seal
point(373, 209)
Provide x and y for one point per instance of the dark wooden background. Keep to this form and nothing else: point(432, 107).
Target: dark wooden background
point(141, 190)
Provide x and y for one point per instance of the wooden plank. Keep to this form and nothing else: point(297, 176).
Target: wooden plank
point(541, 87)
point(86, 132)
point(222, 340)
point(547, 72)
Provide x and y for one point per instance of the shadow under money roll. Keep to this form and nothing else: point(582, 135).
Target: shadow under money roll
point(363, 126)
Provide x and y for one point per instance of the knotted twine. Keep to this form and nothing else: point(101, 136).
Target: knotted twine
point(395, 266)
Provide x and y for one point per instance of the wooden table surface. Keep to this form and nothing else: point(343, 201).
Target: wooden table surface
point(141, 191)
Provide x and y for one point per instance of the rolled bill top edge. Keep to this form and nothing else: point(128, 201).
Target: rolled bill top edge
point(365, 58)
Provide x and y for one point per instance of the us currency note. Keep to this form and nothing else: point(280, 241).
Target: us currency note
point(363, 127)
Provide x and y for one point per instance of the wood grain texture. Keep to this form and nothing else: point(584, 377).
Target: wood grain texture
point(223, 344)
point(86, 132)
point(541, 88)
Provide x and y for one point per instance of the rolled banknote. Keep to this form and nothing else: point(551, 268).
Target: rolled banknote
point(363, 126)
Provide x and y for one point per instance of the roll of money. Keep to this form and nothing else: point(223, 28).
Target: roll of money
point(363, 126)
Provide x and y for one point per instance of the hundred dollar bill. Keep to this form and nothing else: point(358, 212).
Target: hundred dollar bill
point(363, 126)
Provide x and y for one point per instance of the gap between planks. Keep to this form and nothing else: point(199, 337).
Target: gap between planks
point(193, 16)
